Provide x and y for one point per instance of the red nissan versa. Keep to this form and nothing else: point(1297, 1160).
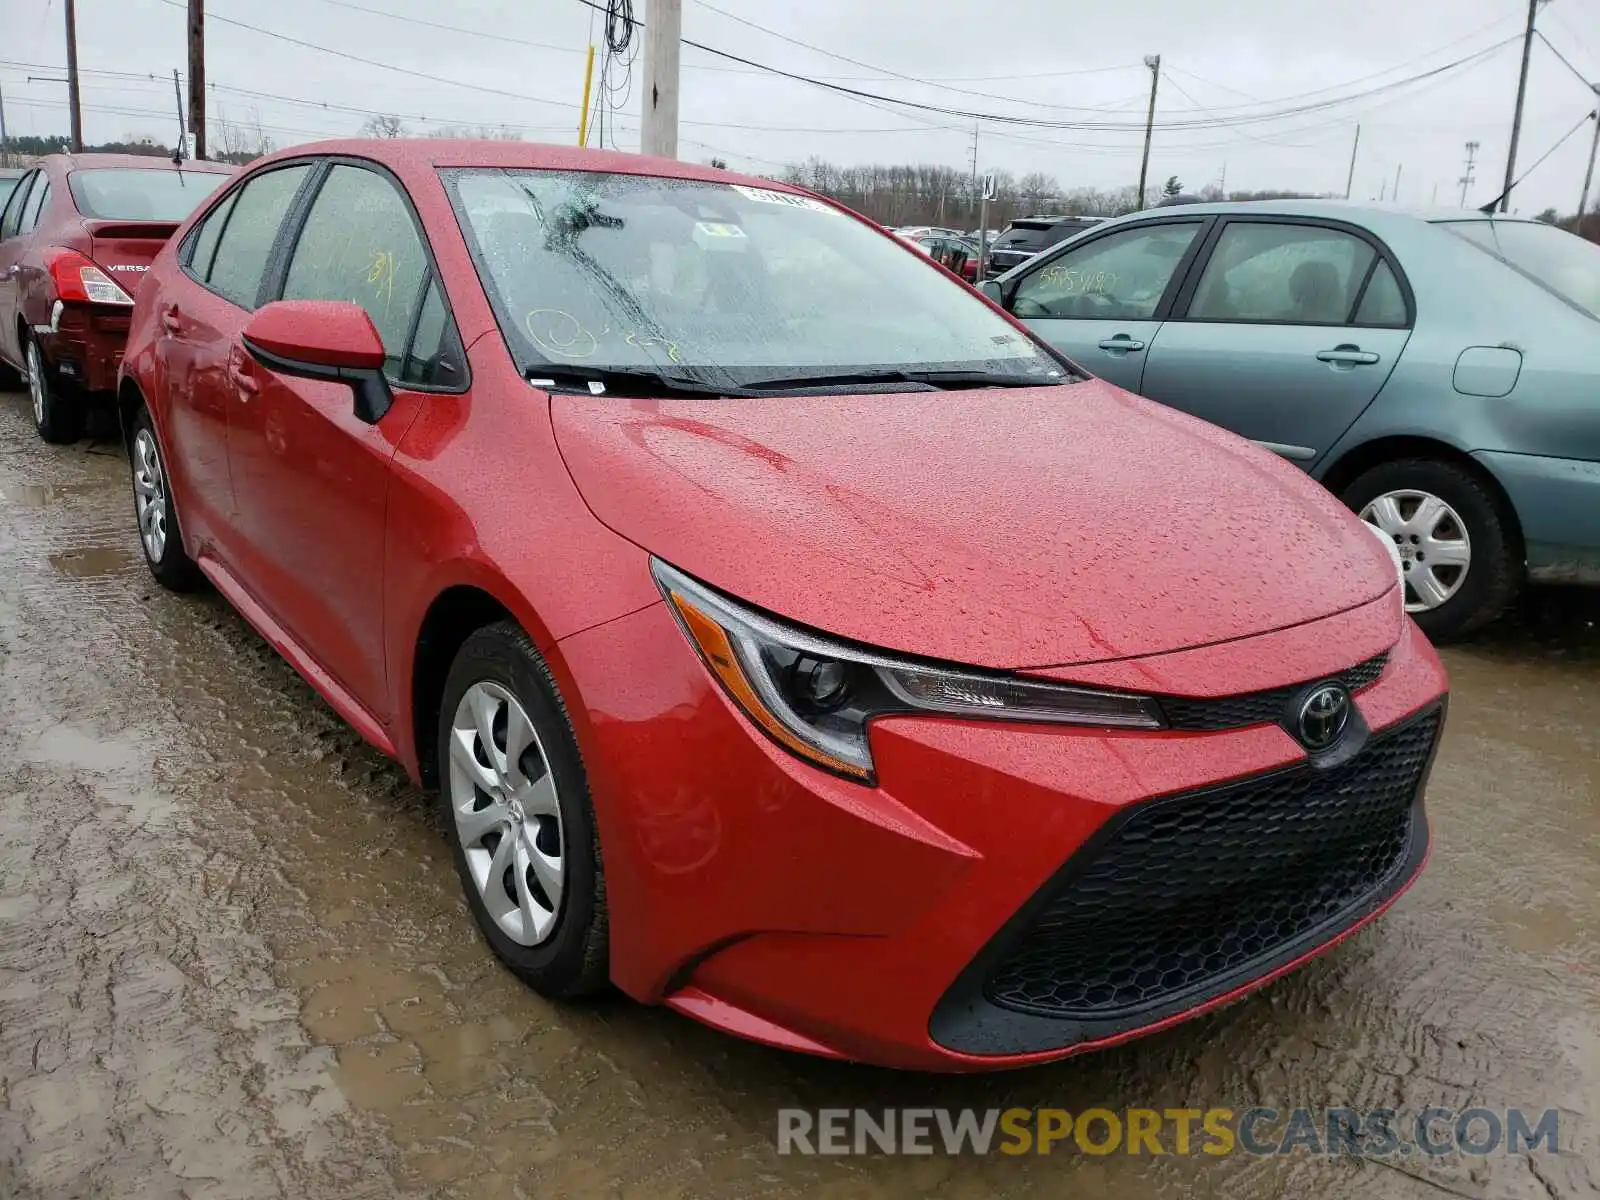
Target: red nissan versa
point(76, 236)
point(793, 639)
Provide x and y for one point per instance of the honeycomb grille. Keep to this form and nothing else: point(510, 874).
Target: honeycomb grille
point(1257, 708)
point(1191, 889)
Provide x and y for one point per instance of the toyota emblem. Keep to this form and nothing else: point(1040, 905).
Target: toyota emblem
point(1323, 716)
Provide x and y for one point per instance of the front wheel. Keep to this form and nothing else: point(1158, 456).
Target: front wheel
point(1458, 550)
point(516, 804)
point(55, 416)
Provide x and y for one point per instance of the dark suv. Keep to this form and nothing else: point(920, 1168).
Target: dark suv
point(1026, 236)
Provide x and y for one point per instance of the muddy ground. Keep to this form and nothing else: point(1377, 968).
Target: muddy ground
point(234, 960)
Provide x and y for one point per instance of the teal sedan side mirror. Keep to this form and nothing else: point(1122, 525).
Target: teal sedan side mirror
point(992, 290)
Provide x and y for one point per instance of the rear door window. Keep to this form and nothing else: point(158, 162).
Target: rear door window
point(1383, 304)
point(13, 213)
point(35, 206)
point(251, 229)
point(1282, 275)
point(203, 242)
point(360, 244)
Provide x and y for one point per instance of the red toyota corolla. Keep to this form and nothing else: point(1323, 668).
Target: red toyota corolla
point(793, 639)
point(76, 236)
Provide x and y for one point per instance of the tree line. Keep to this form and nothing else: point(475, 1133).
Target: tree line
point(931, 194)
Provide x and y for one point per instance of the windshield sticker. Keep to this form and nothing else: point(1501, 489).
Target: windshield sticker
point(787, 199)
point(558, 332)
point(717, 229)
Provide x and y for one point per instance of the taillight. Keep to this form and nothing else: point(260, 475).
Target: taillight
point(79, 279)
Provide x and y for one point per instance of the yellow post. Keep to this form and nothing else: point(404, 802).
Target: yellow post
point(583, 117)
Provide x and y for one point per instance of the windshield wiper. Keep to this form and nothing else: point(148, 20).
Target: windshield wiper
point(933, 379)
point(621, 381)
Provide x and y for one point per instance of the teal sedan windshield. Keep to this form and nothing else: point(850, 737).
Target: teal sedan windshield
point(719, 283)
point(1564, 263)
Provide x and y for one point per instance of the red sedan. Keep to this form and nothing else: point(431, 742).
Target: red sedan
point(793, 639)
point(76, 236)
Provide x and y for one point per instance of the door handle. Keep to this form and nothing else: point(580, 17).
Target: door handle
point(1347, 356)
point(1121, 342)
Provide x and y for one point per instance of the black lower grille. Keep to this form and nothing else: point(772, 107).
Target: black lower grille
point(1257, 708)
point(1184, 892)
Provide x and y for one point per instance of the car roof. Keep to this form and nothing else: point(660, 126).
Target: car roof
point(1345, 210)
point(434, 153)
point(148, 162)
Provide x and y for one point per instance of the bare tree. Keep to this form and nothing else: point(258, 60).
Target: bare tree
point(487, 133)
point(238, 141)
point(383, 125)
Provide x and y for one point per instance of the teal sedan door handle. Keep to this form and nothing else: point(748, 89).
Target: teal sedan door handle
point(1347, 356)
point(1122, 343)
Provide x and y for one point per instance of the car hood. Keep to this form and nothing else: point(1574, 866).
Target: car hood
point(1004, 528)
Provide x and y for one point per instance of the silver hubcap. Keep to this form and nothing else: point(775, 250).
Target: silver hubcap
point(506, 813)
point(1435, 551)
point(150, 495)
point(36, 383)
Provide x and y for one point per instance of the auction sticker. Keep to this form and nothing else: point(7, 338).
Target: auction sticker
point(763, 196)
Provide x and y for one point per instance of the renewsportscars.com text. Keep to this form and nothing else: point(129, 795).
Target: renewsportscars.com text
point(1376, 1133)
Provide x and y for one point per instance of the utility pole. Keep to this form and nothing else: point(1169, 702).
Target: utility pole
point(197, 75)
point(1516, 118)
point(1583, 200)
point(1153, 61)
point(663, 33)
point(72, 77)
point(1351, 177)
point(1397, 170)
point(1466, 179)
point(975, 128)
point(5, 154)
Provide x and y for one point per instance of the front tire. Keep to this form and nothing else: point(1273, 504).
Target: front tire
point(160, 535)
point(515, 802)
point(1460, 554)
point(55, 416)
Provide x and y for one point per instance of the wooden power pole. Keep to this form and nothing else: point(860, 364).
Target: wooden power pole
point(663, 33)
point(197, 75)
point(1153, 61)
point(1516, 116)
point(72, 78)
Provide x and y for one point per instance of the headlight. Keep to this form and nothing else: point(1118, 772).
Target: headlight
point(1394, 556)
point(814, 696)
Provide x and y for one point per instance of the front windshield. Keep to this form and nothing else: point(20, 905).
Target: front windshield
point(719, 283)
point(141, 193)
point(1564, 263)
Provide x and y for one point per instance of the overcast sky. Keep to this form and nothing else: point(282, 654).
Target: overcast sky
point(1038, 60)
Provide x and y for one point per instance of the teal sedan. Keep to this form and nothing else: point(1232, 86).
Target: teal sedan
point(1439, 372)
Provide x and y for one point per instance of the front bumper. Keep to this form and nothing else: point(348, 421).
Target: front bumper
point(760, 895)
point(1557, 501)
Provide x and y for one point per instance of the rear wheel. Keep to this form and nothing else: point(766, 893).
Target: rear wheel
point(159, 533)
point(516, 804)
point(1458, 550)
point(55, 415)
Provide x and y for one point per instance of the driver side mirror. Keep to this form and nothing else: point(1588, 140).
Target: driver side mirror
point(994, 291)
point(323, 339)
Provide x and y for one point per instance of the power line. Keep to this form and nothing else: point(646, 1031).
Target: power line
point(1582, 78)
point(1582, 121)
point(1389, 70)
point(889, 71)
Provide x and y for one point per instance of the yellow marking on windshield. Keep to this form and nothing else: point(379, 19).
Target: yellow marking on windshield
point(556, 331)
